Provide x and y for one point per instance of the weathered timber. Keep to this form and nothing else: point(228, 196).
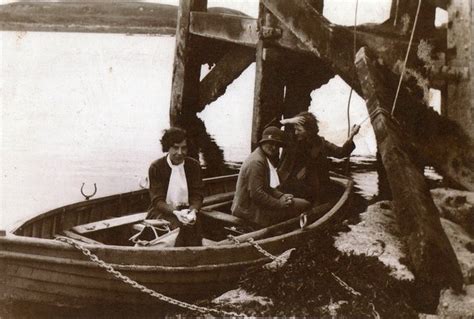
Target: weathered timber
point(232, 28)
point(201, 142)
point(302, 76)
point(460, 54)
point(240, 30)
point(269, 84)
point(402, 16)
point(229, 68)
point(186, 67)
point(431, 255)
point(334, 44)
point(439, 141)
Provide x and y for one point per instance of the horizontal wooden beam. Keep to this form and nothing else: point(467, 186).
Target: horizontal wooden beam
point(242, 30)
point(227, 27)
point(334, 44)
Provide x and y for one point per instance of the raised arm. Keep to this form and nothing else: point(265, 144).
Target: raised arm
point(344, 150)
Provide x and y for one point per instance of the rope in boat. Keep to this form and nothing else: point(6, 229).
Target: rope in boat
point(117, 274)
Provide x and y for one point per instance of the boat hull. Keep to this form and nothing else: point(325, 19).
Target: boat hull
point(48, 271)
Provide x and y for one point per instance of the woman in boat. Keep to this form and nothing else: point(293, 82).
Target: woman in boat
point(257, 197)
point(304, 168)
point(176, 188)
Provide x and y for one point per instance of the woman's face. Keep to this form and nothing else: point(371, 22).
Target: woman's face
point(300, 132)
point(178, 152)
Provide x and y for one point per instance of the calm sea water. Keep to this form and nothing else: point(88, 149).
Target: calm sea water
point(89, 108)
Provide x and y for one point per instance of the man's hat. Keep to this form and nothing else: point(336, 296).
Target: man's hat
point(273, 134)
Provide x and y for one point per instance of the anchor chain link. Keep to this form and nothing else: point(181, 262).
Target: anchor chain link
point(102, 264)
point(256, 246)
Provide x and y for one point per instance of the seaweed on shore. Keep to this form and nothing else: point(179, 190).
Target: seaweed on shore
point(314, 279)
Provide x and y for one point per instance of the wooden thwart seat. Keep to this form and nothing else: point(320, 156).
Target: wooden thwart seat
point(223, 217)
point(218, 198)
point(109, 223)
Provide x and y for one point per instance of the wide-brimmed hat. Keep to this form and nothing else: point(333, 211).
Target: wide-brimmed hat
point(273, 134)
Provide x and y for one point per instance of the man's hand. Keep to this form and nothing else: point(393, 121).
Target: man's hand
point(355, 129)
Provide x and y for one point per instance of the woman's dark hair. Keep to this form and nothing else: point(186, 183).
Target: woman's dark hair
point(310, 122)
point(172, 136)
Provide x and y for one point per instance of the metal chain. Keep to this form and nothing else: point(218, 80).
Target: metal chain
point(346, 286)
point(256, 246)
point(136, 285)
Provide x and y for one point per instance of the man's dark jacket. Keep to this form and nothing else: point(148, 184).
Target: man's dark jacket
point(254, 199)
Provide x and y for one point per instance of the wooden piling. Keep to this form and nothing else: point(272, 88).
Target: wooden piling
point(430, 253)
point(460, 54)
point(269, 84)
point(186, 67)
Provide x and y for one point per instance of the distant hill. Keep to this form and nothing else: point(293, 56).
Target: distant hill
point(100, 17)
point(129, 17)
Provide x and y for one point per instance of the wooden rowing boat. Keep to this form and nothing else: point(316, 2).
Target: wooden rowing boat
point(35, 266)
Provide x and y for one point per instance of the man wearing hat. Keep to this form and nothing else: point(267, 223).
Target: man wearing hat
point(257, 197)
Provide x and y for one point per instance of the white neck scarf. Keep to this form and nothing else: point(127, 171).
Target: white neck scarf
point(177, 194)
point(274, 179)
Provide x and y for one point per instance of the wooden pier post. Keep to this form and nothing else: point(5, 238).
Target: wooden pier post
point(459, 105)
point(186, 67)
point(269, 84)
point(430, 253)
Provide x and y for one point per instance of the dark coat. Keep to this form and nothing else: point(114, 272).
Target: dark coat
point(159, 175)
point(304, 168)
point(254, 199)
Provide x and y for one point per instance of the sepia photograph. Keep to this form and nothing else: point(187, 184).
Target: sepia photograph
point(237, 158)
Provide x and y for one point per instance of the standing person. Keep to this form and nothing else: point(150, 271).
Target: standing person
point(257, 197)
point(176, 188)
point(304, 169)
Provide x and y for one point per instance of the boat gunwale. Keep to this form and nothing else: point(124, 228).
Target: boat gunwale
point(96, 248)
point(85, 203)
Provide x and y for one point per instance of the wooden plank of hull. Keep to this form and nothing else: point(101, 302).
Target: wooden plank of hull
point(81, 298)
point(39, 269)
point(163, 281)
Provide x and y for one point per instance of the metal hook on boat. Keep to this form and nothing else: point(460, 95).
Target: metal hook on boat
point(91, 195)
point(303, 220)
point(144, 183)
